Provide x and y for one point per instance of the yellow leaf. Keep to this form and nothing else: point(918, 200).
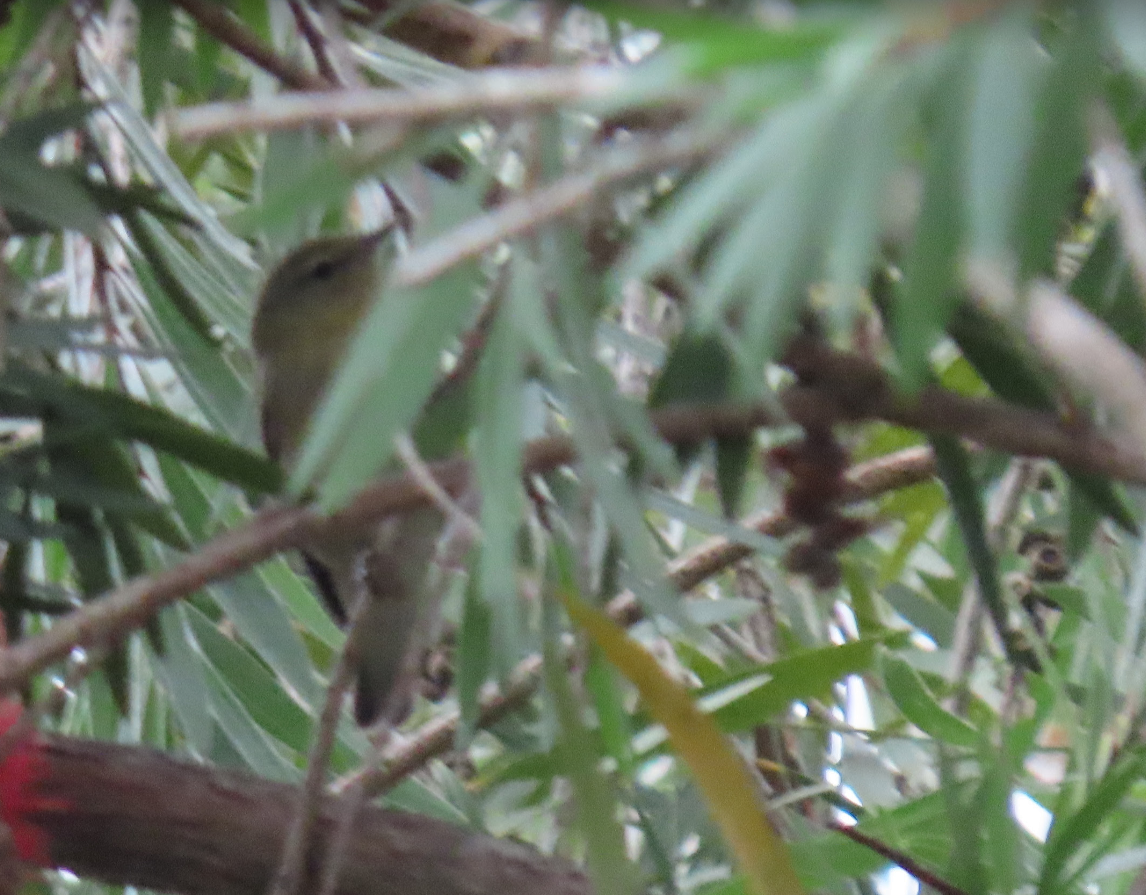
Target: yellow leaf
point(719, 770)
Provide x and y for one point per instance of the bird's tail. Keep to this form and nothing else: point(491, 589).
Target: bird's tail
point(387, 649)
point(392, 567)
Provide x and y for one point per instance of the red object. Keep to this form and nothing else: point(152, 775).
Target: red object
point(22, 768)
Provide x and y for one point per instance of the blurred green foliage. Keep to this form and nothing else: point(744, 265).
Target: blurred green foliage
point(869, 153)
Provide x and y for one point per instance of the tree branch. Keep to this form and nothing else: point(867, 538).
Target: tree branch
point(449, 32)
point(133, 816)
point(847, 388)
point(221, 24)
point(300, 835)
point(493, 91)
point(904, 861)
point(524, 214)
point(279, 528)
point(863, 482)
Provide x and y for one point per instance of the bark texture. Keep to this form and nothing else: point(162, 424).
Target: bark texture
point(128, 815)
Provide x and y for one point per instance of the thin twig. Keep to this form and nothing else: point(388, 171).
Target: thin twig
point(990, 422)
point(845, 386)
point(864, 481)
point(289, 878)
point(221, 24)
point(904, 861)
point(316, 40)
point(437, 737)
point(492, 91)
point(416, 467)
point(349, 806)
point(524, 214)
point(279, 528)
point(338, 47)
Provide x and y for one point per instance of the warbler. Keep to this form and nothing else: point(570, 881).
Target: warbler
point(305, 317)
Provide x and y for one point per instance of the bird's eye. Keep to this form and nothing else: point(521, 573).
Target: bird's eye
point(323, 270)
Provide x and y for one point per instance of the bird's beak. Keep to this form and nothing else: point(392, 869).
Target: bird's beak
point(375, 238)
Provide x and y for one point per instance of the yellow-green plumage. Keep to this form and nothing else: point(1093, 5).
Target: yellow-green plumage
point(306, 315)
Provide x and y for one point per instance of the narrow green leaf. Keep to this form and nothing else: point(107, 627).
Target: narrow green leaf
point(497, 456)
point(873, 130)
point(257, 690)
point(723, 189)
point(26, 135)
point(1007, 367)
point(717, 42)
point(210, 288)
point(807, 675)
point(180, 671)
point(927, 297)
point(1105, 285)
point(588, 393)
point(236, 731)
point(222, 393)
point(153, 51)
point(1071, 830)
point(612, 715)
point(1007, 74)
point(25, 21)
point(1002, 834)
point(115, 413)
point(1126, 29)
point(389, 373)
point(767, 257)
point(611, 870)
point(51, 196)
point(919, 706)
point(955, 472)
point(733, 463)
point(699, 368)
point(177, 292)
point(473, 659)
point(929, 616)
point(153, 157)
point(1060, 148)
point(263, 623)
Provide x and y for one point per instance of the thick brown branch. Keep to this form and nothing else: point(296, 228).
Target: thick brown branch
point(132, 816)
point(839, 387)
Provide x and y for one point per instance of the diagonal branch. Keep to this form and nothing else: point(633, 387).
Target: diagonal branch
point(221, 24)
point(493, 91)
point(279, 528)
point(906, 862)
point(863, 482)
point(848, 389)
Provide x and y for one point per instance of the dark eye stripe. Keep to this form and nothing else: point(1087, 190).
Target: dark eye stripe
point(323, 270)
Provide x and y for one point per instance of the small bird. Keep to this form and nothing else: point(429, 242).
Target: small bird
point(306, 315)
